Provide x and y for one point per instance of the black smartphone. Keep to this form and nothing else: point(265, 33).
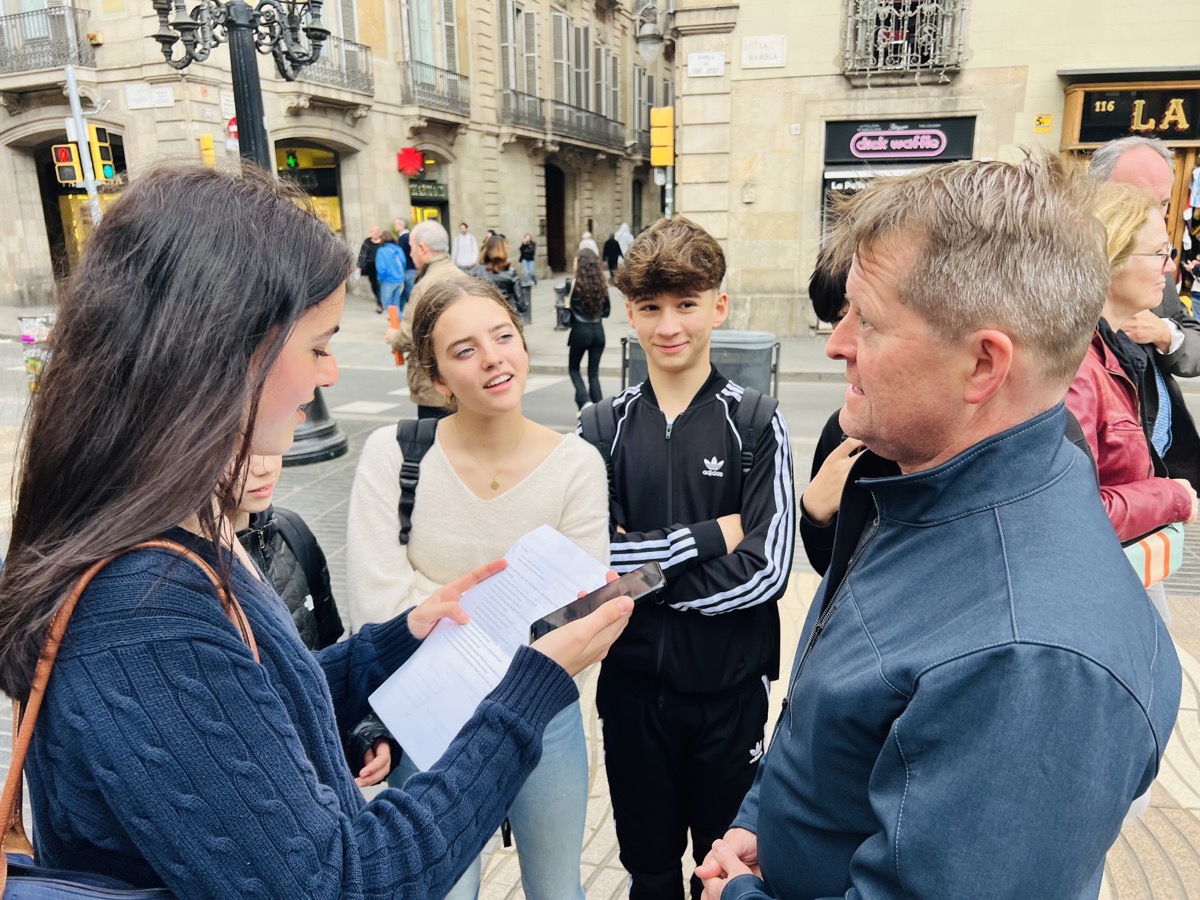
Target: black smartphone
point(641, 582)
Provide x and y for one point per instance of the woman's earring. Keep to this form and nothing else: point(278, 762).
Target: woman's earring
point(448, 400)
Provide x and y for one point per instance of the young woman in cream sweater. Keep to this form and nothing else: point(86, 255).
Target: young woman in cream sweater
point(491, 476)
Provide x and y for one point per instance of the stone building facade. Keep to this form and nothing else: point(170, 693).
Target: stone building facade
point(779, 102)
point(515, 115)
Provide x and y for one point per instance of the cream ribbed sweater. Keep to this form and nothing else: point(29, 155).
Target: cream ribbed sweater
point(452, 529)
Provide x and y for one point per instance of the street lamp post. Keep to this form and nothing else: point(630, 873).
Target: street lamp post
point(292, 33)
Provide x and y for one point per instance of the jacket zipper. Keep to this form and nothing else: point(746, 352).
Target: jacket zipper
point(826, 615)
point(662, 629)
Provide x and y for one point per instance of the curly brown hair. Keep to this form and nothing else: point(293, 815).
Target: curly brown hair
point(672, 256)
point(436, 300)
point(591, 289)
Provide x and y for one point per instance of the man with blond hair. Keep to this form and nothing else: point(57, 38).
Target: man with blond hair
point(982, 687)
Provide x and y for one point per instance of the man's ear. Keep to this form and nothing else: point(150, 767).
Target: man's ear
point(629, 312)
point(990, 361)
point(720, 309)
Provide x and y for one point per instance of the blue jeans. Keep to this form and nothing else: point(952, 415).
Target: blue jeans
point(527, 266)
point(391, 293)
point(547, 817)
point(410, 278)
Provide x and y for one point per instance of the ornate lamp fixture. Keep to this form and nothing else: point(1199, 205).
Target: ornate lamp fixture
point(649, 35)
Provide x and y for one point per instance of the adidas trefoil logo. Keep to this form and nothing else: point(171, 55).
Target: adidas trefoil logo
point(712, 468)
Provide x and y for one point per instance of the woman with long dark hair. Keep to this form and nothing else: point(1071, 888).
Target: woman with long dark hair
point(168, 751)
point(589, 308)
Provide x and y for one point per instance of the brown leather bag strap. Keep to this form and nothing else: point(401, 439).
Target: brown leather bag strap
point(15, 839)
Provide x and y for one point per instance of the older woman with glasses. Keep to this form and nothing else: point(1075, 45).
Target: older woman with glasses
point(1113, 393)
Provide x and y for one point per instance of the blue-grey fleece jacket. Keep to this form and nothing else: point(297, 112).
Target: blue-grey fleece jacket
point(982, 689)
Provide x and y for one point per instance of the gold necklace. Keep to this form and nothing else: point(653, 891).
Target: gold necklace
point(495, 485)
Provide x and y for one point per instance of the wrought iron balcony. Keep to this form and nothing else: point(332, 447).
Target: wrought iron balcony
point(434, 88)
point(904, 41)
point(342, 64)
point(45, 39)
point(584, 125)
point(641, 143)
point(523, 110)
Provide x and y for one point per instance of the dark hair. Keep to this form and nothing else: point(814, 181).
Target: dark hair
point(672, 256)
point(388, 237)
point(163, 343)
point(439, 297)
point(827, 288)
point(494, 255)
point(591, 290)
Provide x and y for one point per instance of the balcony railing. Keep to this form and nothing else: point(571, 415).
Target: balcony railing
point(45, 39)
point(641, 143)
point(434, 88)
point(893, 41)
point(585, 125)
point(523, 110)
point(343, 64)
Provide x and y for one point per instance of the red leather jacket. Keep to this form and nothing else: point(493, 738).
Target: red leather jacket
point(1105, 401)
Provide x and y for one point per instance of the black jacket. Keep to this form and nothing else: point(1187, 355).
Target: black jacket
point(715, 626)
point(300, 576)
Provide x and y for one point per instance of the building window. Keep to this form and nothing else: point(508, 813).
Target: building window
point(581, 89)
point(904, 41)
point(518, 49)
point(641, 116)
point(433, 33)
point(560, 31)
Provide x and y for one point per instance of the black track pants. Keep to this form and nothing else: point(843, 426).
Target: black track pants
point(681, 765)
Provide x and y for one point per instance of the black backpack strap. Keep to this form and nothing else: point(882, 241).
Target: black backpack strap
point(598, 426)
point(415, 437)
point(304, 546)
point(300, 540)
point(752, 419)
point(1074, 433)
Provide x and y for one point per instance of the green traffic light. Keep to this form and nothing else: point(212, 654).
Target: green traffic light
point(108, 171)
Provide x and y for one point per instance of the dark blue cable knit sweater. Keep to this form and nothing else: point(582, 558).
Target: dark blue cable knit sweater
point(165, 755)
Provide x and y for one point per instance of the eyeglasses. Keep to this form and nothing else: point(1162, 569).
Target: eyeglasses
point(1164, 256)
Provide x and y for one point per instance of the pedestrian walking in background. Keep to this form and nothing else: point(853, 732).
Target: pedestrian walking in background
point(490, 475)
point(404, 242)
point(589, 306)
point(174, 748)
point(466, 248)
point(389, 269)
point(587, 242)
point(366, 262)
point(495, 267)
point(624, 238)
point(528, 256)
point(612, 254)
point(431, 253)
point(287, 555)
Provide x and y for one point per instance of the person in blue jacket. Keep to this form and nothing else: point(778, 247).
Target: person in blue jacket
point(982, 686)
point(168, 753)
point(389, 269)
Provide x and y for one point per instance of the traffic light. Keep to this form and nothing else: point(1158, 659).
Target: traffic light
point(102, 158)
point(662, 136)
point(292, 159)
point(66, 164)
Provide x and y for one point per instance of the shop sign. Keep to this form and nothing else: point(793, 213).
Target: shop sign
point(427, 190)
point(899, 141)
point(1171, 115)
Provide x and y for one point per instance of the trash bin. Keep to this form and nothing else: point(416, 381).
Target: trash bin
point(35, 332)
point(562, 315)
point(748, 358)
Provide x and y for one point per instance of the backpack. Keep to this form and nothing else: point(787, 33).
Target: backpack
point(598, 426)
point(415, 437)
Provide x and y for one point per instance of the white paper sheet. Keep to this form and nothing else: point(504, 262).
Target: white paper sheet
point(427, 700)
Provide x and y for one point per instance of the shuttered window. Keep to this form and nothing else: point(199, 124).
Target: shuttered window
point(508, 45)
point(529, 33)
point(581, 65)
point(560, 29)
